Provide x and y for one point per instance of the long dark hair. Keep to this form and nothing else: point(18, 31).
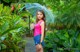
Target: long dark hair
point(44, 19)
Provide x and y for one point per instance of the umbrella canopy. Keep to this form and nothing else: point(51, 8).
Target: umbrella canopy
point(33, 7)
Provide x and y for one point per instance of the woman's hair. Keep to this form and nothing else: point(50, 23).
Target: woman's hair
point(43, 15)
point(44, 19)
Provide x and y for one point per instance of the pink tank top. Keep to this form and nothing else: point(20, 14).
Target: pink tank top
point(37, 29)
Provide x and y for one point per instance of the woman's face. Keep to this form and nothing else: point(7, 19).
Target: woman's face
point(39, 15)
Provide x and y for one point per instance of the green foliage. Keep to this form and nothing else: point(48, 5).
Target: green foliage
point(67, 12)
point(12, 31)
point(24, 1)
point(62, 40)
point(64, 33)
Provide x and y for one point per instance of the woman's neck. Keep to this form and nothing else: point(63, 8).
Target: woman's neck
point(40, 20)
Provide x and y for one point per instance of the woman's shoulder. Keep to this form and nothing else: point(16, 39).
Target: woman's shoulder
point(42, 22)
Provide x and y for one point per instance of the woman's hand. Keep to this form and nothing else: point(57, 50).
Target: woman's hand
point(32, 26)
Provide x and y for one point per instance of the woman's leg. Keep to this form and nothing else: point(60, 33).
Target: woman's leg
point(39, 48)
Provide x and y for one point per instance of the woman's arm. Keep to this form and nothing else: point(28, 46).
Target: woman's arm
point(42, 30)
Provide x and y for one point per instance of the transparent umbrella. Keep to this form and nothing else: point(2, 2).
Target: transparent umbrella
point(33, 7)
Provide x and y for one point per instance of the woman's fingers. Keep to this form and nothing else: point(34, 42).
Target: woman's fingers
point(32, 26)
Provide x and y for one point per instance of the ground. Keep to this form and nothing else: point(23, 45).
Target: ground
point(30, 46)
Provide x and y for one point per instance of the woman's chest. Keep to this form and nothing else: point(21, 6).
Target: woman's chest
point(37, 25)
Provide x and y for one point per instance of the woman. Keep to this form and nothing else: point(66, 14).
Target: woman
point(39, 31)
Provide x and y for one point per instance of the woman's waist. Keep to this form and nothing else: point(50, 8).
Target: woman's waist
point(37, 31)
point(35, 34)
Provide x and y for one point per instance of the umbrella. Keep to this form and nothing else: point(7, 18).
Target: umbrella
point(33, 7)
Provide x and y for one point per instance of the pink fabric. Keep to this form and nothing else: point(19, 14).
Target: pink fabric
point(37, 29)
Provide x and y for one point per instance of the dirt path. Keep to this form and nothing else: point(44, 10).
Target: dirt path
point(30, 47)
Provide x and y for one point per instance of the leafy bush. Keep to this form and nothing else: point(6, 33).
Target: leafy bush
point(64, 33)
point(62, 40)
point(12, 31)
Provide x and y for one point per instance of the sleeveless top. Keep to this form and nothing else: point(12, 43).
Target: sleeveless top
point(37, 28)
